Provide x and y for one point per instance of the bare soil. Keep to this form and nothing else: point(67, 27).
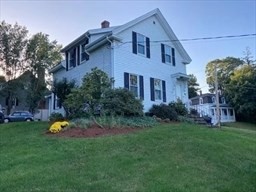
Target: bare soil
point(93, 131)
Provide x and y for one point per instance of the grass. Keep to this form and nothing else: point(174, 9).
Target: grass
point(176, 157)
point(241, 125)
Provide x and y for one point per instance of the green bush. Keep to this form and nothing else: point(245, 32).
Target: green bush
point(163, 111)
point(179, 107)
point(185, 119)
point(121, 102)
point(56, 117)
point(83, 123)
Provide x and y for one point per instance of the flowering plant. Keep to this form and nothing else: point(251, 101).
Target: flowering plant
point(57, 126)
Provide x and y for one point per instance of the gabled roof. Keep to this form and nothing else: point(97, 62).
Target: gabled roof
point(166, 27)
point(114, 31)
point(58, 67)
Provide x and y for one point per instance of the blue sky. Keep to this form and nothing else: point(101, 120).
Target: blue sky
point(66, 20)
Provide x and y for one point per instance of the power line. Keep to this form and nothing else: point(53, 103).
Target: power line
point(200, 38)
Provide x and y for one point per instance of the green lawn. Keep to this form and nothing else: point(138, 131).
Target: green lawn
point(178, 157)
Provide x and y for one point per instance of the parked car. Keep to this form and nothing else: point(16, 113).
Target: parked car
point(1, 117)
point(19, 116)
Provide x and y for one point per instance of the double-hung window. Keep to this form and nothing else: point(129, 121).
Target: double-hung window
point(134, 86)
point(168, 54)
point(140, 44)
point(158, 89)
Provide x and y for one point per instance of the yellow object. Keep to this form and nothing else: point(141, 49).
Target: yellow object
point(57, 126)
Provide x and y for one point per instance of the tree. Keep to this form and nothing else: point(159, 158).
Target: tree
point(225, 68)
point(88, 96)
point(41, 55)
point(12, 44)
point(241, 91)
point(62, 89)
point(192, 86)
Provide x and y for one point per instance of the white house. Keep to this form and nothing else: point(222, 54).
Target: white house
point(143, 55)
point(205, 105)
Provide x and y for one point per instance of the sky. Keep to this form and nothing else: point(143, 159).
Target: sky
point(65, 20)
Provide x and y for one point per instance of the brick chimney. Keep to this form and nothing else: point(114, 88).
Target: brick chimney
point(105, 24)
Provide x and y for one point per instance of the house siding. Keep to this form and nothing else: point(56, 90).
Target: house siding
point(100, 58)
point(126, 61)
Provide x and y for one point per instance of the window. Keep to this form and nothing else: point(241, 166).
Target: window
point(135, 84)
point(158, 89)
point(223, 100)
point(83, 53)
point(134, 87)
point(140, 44)
point(212, 110)
point(166, 53)
point(72, 58)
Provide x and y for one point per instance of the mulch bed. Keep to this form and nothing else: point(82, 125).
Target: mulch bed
point(93, 132)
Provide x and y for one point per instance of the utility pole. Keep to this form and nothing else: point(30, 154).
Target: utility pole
point(217, 97)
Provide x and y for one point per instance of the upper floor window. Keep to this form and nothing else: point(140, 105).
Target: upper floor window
point(72, 58)
point(140, 44)
point(135, 84)
point(168, 54)
point(83, 53)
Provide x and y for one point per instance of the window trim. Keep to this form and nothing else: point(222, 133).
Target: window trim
point(80, 52)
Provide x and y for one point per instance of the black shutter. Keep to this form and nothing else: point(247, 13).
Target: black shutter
point(141, 88)
point(17, 101)
point(78, 55)
point(173, 57)
point(152, 89)
point(75, 54)
point(163, 53)
point(134, 42)
point(148, 47)
point(66, 61)
point(164, 91)
point(126, 80)
point(54, 96)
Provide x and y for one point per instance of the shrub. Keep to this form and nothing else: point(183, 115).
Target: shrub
point(56, 117)
point(193, 112)
point(163, 111)
point(179, 107)
point(185, 119)
point(121, 102)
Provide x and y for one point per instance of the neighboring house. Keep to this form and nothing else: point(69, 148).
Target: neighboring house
point(205, 105)
point(143, 55)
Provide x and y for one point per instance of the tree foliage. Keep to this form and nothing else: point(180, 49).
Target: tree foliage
point(88, 96)
point(193, 86)
point(241, 91)
point(62, 89)
point(237, 82)
point(121, 102)
point(13, 39)
point(225, 68)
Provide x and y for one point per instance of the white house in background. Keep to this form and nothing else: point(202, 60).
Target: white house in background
point(205, 105)
point(143, 55)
